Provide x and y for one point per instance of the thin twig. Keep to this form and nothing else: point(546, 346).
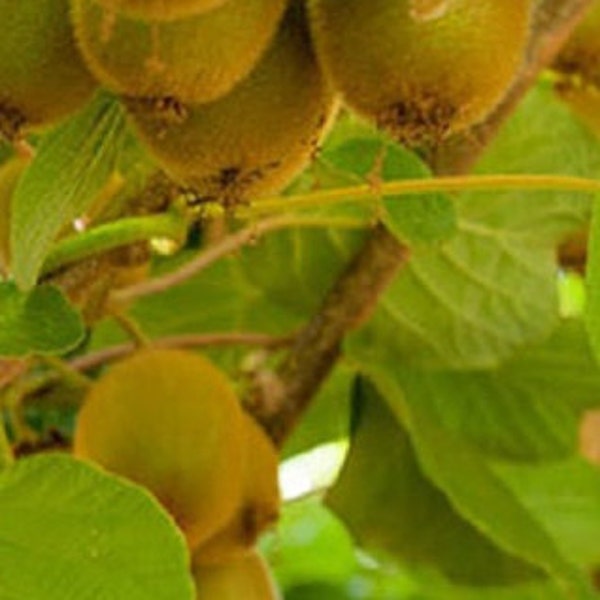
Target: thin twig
point(106, 355)
point(211, 255)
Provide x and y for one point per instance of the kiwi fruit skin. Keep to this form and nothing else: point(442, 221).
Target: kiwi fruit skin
point(169, 420)
point(161, 10)
point(253, 141)
point(248, 578)
point(421, 79)
point(42, 75)
point(579, 59)
point(10, 174)
point(260, 501)
point(195, 59)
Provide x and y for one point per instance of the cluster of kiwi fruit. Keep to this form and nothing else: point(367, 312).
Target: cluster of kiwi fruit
point(233, 97)
point(170, 420)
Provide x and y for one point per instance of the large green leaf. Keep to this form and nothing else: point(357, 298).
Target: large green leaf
point(71, 165)
point(473, 489)
point(390, 504)
point(38, 322)
point(526, 409)
point(71, 532)
point(564, 497)
point(492, 288)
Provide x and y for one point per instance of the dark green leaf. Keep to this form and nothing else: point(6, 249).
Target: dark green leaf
point(475, 491)
point(390, 504)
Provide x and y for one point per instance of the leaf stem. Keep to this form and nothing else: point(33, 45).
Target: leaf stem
point(411, 187)
point(171, 224)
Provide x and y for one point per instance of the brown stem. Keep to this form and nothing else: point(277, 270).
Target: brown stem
point(96, 359)
point(355, 294)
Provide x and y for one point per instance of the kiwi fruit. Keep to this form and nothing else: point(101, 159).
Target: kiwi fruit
point(195, 59)
point(253, 141)
point(170, 421)
point(161, 10)
point(421, 71)
point(10, 173)
point(260, 500)
point(42, 75)
point(579, 59)
point(584, 102)
point(248, 578)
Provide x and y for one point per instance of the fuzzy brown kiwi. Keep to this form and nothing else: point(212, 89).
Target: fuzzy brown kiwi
point(256, 139)
point(42, 75)
point(579, 59)
point(248, 578)
point(196, 59)
point(162, 10)
point(260, 501)
point(10, 173)
point(170, 421)
point(421, 70)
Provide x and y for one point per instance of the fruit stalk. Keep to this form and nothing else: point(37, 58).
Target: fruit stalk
point(318, 345)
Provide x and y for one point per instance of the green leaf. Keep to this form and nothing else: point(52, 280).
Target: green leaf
point(389, 504)
point(469, 304)
point(491, 289)
point(565, 498)
point(72, 164)
point(414, 219)
point(542, 137)
point(475, 491)
point(307, 532)
point(38, 322)
point(71, 532)
point(529, 408)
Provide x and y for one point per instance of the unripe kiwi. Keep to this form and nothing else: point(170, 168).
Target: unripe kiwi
point(162, 10)
point(580, 56)
point(10, 173)
point(196, 59)
point(42, 76)
point(170, 421)
point(260, 500)
point(253, 141)
point(421, 73)
point(248, 578)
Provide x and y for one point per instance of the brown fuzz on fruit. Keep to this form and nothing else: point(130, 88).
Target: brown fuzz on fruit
point(253, 141)
point(579, 59)
point(421, 70)
point(10, 173)
point(260, 501)
point(170, 421)
point(196, 59)
point(42, 76)
point(161, 10)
